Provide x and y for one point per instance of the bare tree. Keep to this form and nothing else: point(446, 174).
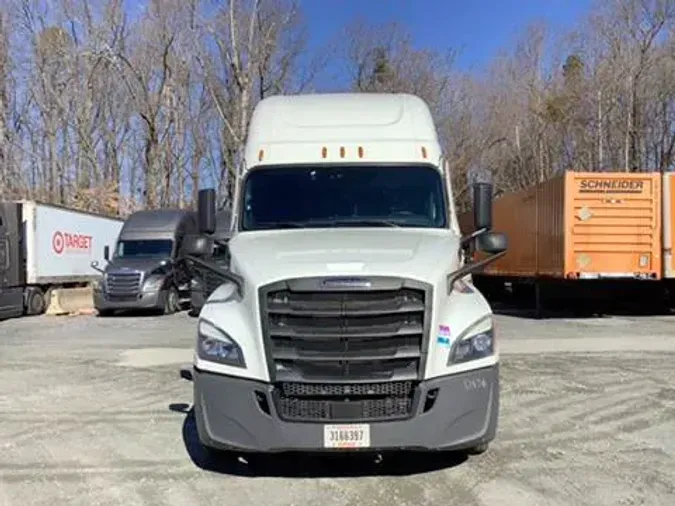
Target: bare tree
point(258, 47)
point(7, 178)
point(105, 113)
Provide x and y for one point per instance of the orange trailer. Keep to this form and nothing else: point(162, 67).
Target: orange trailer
point(668, 224)
point(579, 226)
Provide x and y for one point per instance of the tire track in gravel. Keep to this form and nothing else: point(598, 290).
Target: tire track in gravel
point(570, 411)
point(575, 428)
point(585, 427)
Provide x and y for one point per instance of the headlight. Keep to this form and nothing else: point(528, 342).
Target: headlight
point(153, 283)
point(215, 345)
point(478, 341)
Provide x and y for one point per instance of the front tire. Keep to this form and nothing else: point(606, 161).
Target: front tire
point(171, 302)
point(35, 302)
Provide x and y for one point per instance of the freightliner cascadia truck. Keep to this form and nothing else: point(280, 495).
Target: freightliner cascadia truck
point(147, 269)
point(346, 317)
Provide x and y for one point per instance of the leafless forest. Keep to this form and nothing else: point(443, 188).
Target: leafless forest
point(109, 111)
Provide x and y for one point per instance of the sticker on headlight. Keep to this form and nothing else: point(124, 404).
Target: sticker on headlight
point(444, 330)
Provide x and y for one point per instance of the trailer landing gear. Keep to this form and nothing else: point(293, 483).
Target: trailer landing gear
point(538, 313)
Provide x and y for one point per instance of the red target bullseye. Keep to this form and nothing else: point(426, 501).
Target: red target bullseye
point(58, 242)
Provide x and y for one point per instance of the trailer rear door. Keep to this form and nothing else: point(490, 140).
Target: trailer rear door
point(613, 223)
point(11, 261)
point(668, 224)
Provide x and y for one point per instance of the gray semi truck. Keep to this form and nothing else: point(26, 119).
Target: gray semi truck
point(146, 270)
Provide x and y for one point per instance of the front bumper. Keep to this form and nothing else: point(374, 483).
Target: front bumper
point(148, 300)
point(229, 416)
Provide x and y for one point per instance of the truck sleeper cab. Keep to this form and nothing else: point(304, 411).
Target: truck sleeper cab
point(147, 270)
point(345, 319)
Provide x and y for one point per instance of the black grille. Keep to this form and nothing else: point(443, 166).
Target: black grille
point(394, 388)
point(348, 354)
point(122, 298)
point(123, 284)
point(344, 402)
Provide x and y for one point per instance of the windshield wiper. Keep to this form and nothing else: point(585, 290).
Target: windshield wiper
point(327, 223)
point(280, 224)
point(357, 222)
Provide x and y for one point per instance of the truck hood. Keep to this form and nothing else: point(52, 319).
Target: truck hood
point(268, 256)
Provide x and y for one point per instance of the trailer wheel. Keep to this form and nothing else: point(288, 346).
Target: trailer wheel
point(35, 301)
point(171, 303)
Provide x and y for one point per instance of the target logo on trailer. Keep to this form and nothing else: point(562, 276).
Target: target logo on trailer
point(70, 243)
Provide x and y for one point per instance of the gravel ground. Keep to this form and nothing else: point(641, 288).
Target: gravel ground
point(92, 412)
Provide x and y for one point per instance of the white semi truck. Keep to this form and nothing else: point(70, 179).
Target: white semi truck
point(45, 246)
point(346, 318)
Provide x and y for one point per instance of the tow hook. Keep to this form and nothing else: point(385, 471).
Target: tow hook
point(186, 372)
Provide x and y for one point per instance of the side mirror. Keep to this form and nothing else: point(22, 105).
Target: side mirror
point(197, 245)
point(106, 252)
point(206, 211)
point(492, 243)
point(482, 206)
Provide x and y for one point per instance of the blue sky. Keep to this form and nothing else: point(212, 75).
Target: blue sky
point(479, 28)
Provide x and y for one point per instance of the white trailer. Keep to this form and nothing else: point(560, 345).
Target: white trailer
point(45, 246)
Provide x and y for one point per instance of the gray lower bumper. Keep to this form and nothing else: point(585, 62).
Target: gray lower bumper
point(464, 415)
point(149, 300)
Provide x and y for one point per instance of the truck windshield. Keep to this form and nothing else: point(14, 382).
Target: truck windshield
point(144, 248)
point(330, 196)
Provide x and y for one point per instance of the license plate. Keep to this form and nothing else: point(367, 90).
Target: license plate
point(346, 436)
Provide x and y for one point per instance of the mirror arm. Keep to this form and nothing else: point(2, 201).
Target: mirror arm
point(470, 268)
point(94, 265)
point(228, 275)
point(464, 241)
